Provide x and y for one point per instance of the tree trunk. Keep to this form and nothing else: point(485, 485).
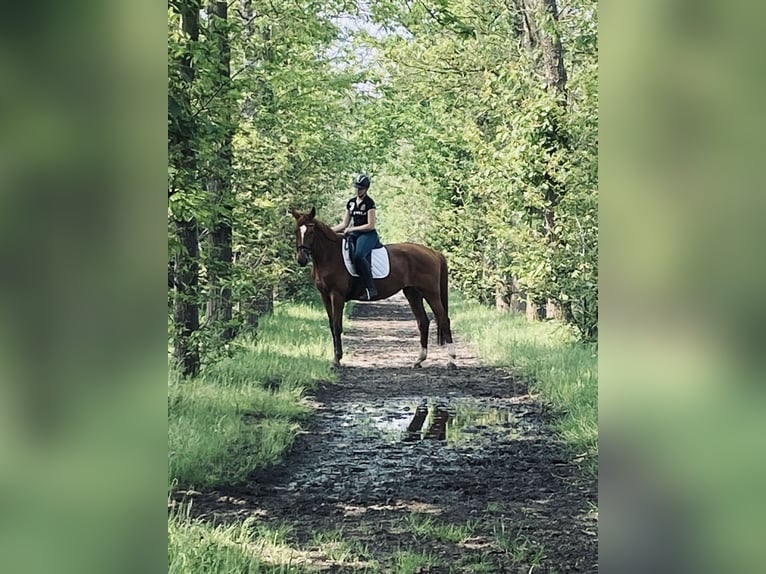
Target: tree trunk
point(541, 32)
point(257, 104)
point(555, 82)
point(552, 310)
point(542, 39)
point(257, 307)
point(219, 304)
point(181, 138)
point(535, 310)
point(503, 293)
point(246, 14)
point(517, 302)
point(550, 46)
point(219, 271)
point(502, 300)
point(186, 307)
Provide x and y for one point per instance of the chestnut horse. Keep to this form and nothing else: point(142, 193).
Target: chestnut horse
point(418, 271)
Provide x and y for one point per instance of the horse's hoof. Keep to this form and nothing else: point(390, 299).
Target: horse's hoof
point(417, 366)
point(451, 367)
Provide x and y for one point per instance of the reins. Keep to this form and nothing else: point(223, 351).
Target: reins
point(325, 230)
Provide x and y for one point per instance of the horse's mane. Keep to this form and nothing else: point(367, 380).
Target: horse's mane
point(326, 230)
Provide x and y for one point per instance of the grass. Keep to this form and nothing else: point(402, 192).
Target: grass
point(195, 546)
point(242, 412)
point(410, 562)
point(334, 546)
point(519, 548)
point(198, 546)
point(563, 370)
point(429, 528)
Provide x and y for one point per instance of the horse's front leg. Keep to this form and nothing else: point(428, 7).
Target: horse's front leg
point(338, 302)
point(327, 300)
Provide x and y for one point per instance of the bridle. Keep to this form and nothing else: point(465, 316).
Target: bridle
point(305, 248)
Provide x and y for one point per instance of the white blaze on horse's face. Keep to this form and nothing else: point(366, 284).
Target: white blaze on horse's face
point(302, 257)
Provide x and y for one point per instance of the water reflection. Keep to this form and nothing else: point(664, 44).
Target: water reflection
point(455, 422)
point(415, 427)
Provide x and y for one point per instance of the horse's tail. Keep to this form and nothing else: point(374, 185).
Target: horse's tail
point(441, 335)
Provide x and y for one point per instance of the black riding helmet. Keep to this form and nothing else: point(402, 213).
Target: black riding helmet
point(362, 181)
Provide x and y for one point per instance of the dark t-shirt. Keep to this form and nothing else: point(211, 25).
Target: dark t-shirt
point(359, 213)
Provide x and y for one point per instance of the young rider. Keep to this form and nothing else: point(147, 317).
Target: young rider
point(359, 223)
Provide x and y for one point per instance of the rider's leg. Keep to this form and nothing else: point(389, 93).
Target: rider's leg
point(363, 268)
point(364, 244)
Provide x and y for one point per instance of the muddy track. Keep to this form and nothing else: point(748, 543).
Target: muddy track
point(391, 448)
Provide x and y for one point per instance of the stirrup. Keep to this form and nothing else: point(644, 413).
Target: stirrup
point(366, 296)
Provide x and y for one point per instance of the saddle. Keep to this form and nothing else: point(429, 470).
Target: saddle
point(379, 262)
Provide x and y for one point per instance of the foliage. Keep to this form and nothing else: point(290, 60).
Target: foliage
point(270, 130)
point(496, 150)
point(444, 103)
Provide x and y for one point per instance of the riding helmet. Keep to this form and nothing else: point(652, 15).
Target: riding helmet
point(362, 181)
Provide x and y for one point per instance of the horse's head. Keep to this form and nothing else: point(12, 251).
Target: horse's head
point(304, 234)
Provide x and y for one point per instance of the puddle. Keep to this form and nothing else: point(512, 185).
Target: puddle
point(454, 422)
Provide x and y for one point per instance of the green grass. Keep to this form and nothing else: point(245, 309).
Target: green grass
point(293, 347)
point(519, 548)
point(562, 370)
point(242, 412)
point(410, 562)
point(339, 550)
point(430, 528)
point(195, 546)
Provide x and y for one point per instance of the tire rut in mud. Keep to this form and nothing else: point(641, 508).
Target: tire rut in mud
point(391, 448)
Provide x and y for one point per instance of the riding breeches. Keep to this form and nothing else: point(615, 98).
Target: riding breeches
point(365, 243)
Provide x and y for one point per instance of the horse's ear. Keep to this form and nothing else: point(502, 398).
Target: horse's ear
point(294, 213)
point(312, 213)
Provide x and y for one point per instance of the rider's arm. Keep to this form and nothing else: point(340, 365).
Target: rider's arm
point(344, 223)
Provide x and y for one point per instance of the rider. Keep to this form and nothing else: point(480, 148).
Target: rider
point(361, 209)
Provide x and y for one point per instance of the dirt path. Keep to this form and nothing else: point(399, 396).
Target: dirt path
point(482, 486)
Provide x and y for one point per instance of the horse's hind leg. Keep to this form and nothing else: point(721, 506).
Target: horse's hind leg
point(442, 321)
point(416, 303)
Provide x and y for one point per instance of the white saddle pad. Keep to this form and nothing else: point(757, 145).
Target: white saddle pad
point(380, 263)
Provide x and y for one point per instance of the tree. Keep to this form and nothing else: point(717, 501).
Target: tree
point(220, 259)
point(257, 123)
point(504, 141)
point(182, 132)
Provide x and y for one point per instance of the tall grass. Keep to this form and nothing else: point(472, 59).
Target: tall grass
point(195, 546)
point(242, 412)
point(563, 370)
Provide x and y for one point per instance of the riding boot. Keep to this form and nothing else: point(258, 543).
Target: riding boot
point(363, 268)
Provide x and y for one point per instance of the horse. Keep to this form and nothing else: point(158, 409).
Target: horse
point(419, 271)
